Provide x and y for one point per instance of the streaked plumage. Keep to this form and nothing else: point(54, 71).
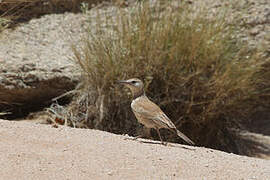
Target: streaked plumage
point(147, 112)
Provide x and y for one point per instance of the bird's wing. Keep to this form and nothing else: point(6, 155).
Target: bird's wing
point(149, 110)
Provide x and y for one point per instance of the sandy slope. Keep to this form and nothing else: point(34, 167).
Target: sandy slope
point(34, 151)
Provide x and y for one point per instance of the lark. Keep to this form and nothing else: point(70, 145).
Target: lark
point(148, 113)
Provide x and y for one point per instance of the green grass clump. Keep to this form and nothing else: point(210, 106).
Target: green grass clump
point(193, 64)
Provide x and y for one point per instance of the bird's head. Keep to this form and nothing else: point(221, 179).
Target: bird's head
point(135, 85)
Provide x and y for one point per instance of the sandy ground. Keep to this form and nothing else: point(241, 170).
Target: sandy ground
point(35, 151)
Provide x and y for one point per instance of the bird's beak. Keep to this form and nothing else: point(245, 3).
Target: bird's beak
point(122, 82)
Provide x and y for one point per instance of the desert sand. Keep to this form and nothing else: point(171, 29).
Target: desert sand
point(36, 151)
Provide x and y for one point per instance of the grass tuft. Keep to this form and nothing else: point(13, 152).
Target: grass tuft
point(193, 64)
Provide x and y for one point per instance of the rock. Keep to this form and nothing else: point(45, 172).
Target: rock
point(35, 63)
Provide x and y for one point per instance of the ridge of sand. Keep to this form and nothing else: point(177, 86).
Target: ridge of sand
point(35, 151)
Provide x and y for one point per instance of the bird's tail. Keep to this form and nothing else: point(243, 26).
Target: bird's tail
point(184, 137)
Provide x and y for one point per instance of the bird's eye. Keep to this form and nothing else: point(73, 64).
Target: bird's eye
point(133, 82)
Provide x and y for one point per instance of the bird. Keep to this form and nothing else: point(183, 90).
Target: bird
point(148, 113)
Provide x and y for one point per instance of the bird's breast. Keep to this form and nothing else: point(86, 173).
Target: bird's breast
point(135, 105)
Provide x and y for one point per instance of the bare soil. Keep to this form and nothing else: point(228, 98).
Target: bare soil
point(36, 151)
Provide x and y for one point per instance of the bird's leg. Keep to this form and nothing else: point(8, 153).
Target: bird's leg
point(162, 142)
